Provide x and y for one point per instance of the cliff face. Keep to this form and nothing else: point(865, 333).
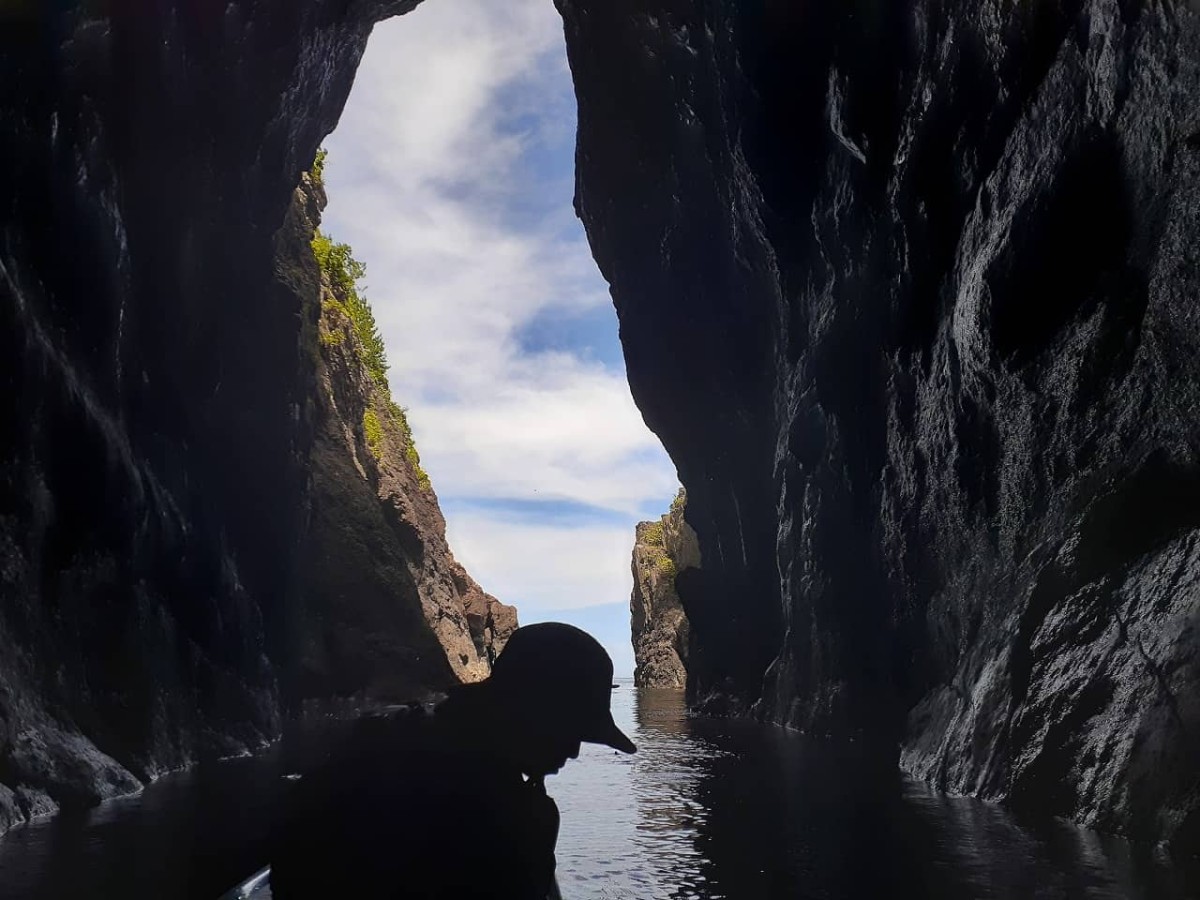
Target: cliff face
point(387, 610)
point(663, 552)
point(907, 291)
point(161, 391)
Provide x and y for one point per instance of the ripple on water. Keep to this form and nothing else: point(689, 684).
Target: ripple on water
point(706, 810)
point(709, 810)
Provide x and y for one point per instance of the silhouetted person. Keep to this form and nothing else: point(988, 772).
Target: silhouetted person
point(453, 804)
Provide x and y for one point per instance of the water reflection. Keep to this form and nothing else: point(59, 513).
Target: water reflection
point(717, 809)
point(191, 836)
point(992, 855)
point(667, 794)
point(627, 822)
point(705, 810)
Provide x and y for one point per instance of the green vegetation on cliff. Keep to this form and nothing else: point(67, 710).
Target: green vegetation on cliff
point(414, 460)
point(347, 297)
point(344, 272)
point(318, 167)
point(373, 432)
point(400, 417)
point(653, 534)
point(679, 504)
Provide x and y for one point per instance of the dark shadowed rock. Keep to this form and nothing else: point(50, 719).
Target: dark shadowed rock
point(908, 292)
point(153, 378)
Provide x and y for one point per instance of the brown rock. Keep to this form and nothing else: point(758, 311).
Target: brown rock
point(389, 613)
point(659, 624)
point(491, 622)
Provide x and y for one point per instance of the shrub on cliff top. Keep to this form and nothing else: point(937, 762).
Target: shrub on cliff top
point(653, 534)
point(679, 504)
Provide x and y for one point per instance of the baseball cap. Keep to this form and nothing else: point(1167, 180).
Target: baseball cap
point(567, 672)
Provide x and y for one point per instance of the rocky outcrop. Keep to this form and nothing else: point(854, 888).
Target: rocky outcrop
point(663, 551)
point(491, 623)
point(387, 611)
point(158, 374)
point(907, 292)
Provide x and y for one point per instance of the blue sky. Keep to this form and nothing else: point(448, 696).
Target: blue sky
point(451, 175)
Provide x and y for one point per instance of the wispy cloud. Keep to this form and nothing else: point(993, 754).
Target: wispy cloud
point(450, 174)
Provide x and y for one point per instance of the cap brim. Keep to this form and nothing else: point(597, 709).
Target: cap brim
point(610, 735)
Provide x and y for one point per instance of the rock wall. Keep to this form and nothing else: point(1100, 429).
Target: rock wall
point(663, 552)
point(159, 396)
point(387, 611)
point(907, 290)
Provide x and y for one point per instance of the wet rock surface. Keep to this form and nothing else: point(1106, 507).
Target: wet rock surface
point(663, 551)
point(907, 290)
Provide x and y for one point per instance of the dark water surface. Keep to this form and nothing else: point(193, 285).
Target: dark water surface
point(707, 809)
point(717, 809)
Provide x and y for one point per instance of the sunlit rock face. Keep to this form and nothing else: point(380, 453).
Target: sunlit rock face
point(387, 611)
point(908, 291)
point(663, 552)
point(153, 378)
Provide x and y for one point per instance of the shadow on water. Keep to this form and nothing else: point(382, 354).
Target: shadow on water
point(790, 816)
point(190, 836)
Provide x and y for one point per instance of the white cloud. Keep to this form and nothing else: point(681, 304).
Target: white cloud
point(574, 435)
point(543, 566)
point(450, 176)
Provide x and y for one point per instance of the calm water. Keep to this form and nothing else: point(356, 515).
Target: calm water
point(706, 809)
point(716, 809)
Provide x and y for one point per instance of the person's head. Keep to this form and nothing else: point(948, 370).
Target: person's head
point(549, 692)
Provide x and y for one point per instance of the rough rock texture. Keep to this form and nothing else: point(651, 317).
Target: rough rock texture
point(663, 552)
point(908, 290)
point(387, 610)
point(153, 377)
